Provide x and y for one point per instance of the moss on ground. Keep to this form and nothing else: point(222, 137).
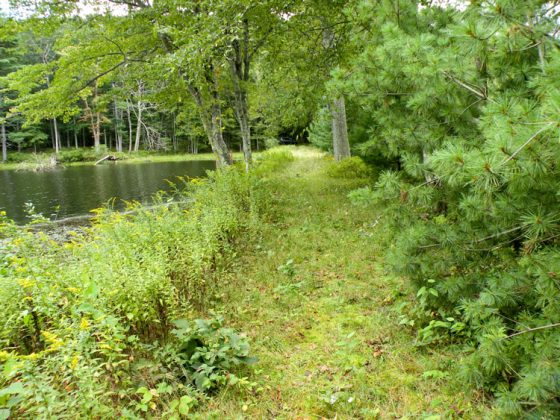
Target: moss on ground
point(320, 312)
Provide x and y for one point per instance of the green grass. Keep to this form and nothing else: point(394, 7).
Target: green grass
point(320, 313)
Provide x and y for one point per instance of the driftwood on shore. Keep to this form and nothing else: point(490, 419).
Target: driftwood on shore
point(108, 157)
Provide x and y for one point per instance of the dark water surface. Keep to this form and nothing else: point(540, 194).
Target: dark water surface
point(78, 189)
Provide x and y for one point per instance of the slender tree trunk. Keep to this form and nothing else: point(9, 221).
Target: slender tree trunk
point(95, 122)
point(174, 133)
point(4, 143)
point(341, 146)
point(129, 126)
point(242, 114)
point(118, 135)
point(138, 127)
point(75, 134)
point(96, 129)
point(56, 140)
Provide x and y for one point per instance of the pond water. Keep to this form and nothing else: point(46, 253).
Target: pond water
point(73, 191)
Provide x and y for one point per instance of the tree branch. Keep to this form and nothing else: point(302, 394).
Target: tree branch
point(544, 327)
point(534, 136)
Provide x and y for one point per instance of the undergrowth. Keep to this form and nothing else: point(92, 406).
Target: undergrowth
point(100, 325)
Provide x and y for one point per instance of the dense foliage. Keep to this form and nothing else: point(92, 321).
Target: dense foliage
point(98, 321)
point(467, 102)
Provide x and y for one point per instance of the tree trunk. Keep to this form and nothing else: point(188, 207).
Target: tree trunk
point(4, 143)
point(239, 65)
point(242, 114)
point(174, 133)
point(211, 116)
point(218, 144)
point(96, 128)
point(56, 140)
point(138, 127)
point(129, 126)
point(341, 146)
point(75, 135)
point(118, 135)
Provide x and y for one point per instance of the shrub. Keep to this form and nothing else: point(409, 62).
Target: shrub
point(78, 155)
point(17, 157)
point(349, 168)
point(208, 352)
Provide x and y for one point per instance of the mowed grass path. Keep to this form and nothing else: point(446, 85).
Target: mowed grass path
point(319, 310)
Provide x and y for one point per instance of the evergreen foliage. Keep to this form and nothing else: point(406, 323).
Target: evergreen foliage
point(467, 101)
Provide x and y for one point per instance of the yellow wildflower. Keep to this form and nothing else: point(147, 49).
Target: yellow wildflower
point(26, 283)
point(84, 324)
point(74, 362)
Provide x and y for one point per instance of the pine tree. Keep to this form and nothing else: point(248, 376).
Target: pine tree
point(468, 101)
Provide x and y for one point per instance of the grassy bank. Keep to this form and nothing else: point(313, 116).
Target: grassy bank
point(278, 260)
point(321, 313)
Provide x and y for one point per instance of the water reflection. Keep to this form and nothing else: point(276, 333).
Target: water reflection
point(77, 190)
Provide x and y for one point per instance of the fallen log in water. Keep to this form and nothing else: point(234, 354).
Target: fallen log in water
point(108, 157)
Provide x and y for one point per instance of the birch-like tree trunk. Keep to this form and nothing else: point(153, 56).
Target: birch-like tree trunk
point(4, 143)
point(75, 129)
point(56, 138)
point(138, 127)
point(341, 146)
point(118, 135)
point(174, 133)
point(96, 129)
point(129, 126)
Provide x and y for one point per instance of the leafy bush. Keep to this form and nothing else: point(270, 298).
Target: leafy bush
point(209, 352)
point(351, 168)
point(87, 320)
point(76, 155)
point(17, 157)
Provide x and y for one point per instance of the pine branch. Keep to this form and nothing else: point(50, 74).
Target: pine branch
point(544, 327)
point(471, 88)
point(534, 136)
